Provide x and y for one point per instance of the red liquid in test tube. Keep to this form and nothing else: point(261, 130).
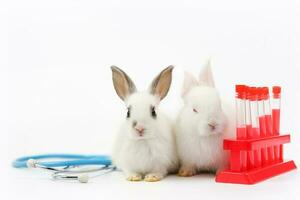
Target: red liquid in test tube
point(268, 118)
point(241, 133)
point(255, 124)
point(262, 124)
point(276, 104)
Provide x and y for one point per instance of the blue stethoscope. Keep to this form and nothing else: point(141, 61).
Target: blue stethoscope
point(68, 166)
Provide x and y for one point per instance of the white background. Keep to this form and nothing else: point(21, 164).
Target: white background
point(56, 93)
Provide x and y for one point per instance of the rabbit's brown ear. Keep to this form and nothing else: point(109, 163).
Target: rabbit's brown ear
point(161, 84)
point(123, 85)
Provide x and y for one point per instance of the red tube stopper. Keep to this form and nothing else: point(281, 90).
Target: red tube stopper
point(260, 93)
point(276, 91)
point(265, 91)
point(253, 93)
point(240, 91)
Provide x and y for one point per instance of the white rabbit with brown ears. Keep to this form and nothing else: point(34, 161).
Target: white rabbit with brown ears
point(201, 126)
point(145, 146)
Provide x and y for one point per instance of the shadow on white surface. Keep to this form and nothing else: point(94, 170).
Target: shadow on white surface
point(30, 184)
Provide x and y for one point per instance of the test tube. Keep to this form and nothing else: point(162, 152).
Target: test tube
point(255, 124)
point(267, 108)
point(268, 118)
point(250, 155)
point(240, 112)
point(241, 134)
point(248, 113)
point(262, 123)
point(276, 105)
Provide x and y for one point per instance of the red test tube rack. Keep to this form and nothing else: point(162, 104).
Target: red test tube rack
point(257, 152)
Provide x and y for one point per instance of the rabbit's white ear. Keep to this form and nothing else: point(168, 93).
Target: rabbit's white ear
point(123, 85)
point(206, 76)
point(161, 84)
point(188, 83)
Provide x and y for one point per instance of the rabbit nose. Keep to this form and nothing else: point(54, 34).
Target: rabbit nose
point(140, 130)
point(212, 126)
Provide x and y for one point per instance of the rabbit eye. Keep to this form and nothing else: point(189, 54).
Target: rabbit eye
point(134, 123)
point(195, 110)
point(153, 113)
point(128, 112)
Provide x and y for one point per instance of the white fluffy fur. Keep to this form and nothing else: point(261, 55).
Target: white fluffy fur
point(200, 147)
point(153, 155)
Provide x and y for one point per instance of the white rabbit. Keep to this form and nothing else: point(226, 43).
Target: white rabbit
point(145, 146)
point(201, 126)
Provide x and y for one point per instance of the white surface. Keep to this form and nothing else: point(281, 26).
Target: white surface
point(56, 93)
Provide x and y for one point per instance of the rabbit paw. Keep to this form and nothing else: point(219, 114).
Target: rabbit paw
point(153, 177)
point(187, 171)
point(134, 177)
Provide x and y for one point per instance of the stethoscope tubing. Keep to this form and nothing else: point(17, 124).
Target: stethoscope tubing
point(72, 160)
